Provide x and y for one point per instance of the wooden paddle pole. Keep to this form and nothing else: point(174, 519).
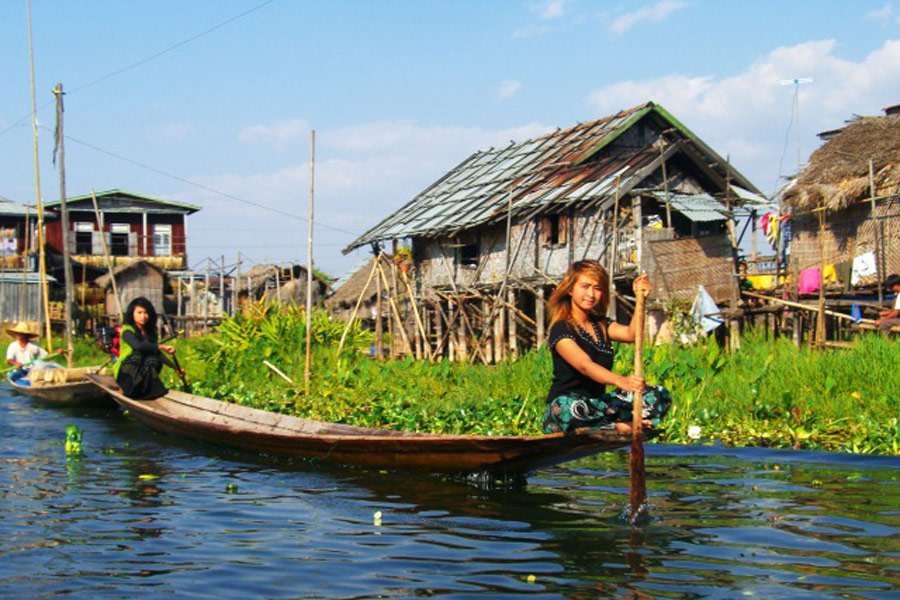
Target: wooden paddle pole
point(638, 483)
point(309, 261)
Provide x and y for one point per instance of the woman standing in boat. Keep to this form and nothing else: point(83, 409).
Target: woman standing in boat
point(140, 356)
point(580, 342)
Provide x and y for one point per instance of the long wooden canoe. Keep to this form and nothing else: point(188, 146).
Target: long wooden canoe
point(72, 393)
point(227, 424)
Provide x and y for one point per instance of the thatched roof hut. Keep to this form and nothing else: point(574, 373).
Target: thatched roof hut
point(862, 206)
point(280, 283)
point(838, 172)
point(348, 292)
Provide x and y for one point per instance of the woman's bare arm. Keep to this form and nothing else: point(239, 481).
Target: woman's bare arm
point(581, 362)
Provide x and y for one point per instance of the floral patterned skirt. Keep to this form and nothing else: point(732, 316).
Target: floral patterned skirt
point(567, 413)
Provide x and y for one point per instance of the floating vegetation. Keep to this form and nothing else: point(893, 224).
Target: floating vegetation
point(768, 394)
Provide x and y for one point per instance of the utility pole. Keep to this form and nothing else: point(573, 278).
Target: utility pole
point(60, 153)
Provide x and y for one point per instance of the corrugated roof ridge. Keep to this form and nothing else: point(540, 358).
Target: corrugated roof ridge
point(558, 151)
point(128, 193)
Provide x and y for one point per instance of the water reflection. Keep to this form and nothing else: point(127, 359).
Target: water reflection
point(146, 514)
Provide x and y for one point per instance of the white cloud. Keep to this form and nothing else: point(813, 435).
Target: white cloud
point(884, 14)
point(550, 9)
point(363, 173)
point(172, 132)
point(747, 114)
point(508, 89)
point(656, 13)
point(278, 136)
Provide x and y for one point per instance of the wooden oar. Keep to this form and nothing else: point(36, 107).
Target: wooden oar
point(638, 485)
point(184, 384)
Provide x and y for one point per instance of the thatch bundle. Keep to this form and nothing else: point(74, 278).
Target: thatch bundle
point(838, 173)
point(346, 295)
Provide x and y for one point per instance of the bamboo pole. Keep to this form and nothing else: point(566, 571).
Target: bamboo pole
point(814, 309)
point(356, 308)
point(37, 182)
point(875, 233)
point(222, 288)
point(278, 372)
point(412, 299)
point(64, 223)
point(109, 267)
point(614, 255)
point(379, 320)
point(309, 259)
point(278, 283)
point(206, 296)
point(236, 285)
point(393, 304)
point(662, 158)
point(25, 261)
point(820, 320)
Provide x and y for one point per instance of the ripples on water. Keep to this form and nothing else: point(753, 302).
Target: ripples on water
point(148, 515)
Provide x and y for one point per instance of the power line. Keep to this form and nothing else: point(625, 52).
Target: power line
point(207, 188)
point(145, 60)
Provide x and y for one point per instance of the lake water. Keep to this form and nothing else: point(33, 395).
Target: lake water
point(151, 516)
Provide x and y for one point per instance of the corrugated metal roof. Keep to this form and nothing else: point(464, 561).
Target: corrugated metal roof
point(696, 207)
point(543, 175)
point(10, 208)
point(190, 208)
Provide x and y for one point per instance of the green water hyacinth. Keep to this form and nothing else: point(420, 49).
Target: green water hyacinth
point(769, 393)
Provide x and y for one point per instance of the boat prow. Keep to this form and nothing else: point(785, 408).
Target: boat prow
point(223, 423)
point(64, 393)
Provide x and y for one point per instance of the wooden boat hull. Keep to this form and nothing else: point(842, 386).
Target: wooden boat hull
point(227, 424)
point(76, 393)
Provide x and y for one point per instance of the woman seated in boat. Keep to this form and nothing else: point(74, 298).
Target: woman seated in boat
point(140, 356)
point(580, 342)
point(23, 351)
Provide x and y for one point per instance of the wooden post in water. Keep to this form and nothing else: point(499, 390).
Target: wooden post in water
point(309, 259)
point(638, 483)
point(64, 222)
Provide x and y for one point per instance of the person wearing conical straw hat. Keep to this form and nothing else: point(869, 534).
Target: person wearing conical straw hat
point(23, 350)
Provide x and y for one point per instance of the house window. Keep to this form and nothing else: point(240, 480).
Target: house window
point(468, 255)
point(84, 238)
point(118, 239)
point(162, 240)
point(554, 230)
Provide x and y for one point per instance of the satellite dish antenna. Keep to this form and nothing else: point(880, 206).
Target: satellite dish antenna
point(796, 106)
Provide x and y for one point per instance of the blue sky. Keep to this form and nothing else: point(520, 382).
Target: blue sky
point(211, 102)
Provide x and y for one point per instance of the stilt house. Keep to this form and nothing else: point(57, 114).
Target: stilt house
point(853, 182)
point(636, 190)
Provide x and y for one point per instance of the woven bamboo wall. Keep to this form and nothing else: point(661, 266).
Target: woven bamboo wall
point(677, 267)
point(848, 234)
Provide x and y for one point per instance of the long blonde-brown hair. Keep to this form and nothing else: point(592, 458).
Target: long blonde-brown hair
point(560, 302)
